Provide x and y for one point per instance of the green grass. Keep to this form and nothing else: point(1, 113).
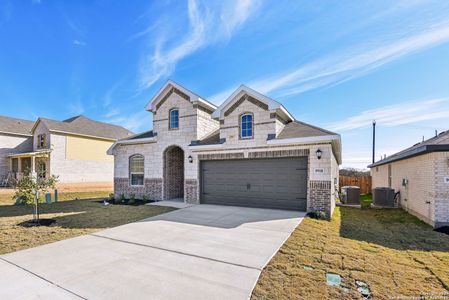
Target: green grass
point(73, 218)
point(394, 252)
point(6, 199)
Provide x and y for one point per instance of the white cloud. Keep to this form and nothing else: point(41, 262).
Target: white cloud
point(207, 25)
point(398, 114)
point(79, 43)
point(113, 112)
point(348, 64)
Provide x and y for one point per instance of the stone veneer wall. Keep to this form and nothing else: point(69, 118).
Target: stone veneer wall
point(152, 188)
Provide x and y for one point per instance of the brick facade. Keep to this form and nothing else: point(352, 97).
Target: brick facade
point(152, 189)
point(195, 123)
point(319, 196)
point(426, 195)
point(191, 191)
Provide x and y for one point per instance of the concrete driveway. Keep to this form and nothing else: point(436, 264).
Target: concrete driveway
point(199, 252)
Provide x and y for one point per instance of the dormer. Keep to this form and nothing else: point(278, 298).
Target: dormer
point(178, 111)
point(248, 117)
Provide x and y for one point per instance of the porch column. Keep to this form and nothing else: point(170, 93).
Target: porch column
point(19, 168)
point(33, 166)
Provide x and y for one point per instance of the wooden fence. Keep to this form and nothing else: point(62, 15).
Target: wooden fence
point(363, 182)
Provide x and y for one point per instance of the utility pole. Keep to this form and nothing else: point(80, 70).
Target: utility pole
point(374, 139)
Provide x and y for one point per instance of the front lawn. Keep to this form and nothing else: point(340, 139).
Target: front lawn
point(390, 250)
point(73, 218)
point(6, 195)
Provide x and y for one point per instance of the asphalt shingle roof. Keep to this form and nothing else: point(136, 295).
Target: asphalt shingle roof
point(297, 129)
point(85, 126)
point(17, 126)
point(143, 135)
point(436, 143)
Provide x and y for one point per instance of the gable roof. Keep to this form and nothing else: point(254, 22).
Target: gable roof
point(297, 129)
point(219, 113)
point(81, 125)
point(171, 86)
point(435, 144)
point(15, 126)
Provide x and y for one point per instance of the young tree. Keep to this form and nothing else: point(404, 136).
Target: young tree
point(28, 188)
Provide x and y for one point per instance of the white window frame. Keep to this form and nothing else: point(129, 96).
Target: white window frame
point(131, 173)
point(241, 126)
point(170, 119)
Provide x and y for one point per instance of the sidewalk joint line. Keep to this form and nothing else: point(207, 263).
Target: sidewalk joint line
point(43, 278)
point(177, 252)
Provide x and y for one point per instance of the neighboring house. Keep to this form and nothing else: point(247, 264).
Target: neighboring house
point(421, 175)
point(73, 149)
point(250, 151)
point(15, 137)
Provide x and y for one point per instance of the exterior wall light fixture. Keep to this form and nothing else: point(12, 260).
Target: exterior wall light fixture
point(318, 153)
point(190, 159)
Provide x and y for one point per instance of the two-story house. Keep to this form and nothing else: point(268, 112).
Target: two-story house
point(249, 151)
point(73, 149)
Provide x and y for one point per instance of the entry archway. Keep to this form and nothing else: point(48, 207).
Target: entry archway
point(173, 173)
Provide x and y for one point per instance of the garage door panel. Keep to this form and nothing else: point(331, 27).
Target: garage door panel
point(271, 183)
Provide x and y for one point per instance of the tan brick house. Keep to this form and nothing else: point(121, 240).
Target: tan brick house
point(421, 175)
point(249, 151)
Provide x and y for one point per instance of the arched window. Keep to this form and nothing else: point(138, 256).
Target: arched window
point(174, 118)
point(246, 126)
point(136, 169)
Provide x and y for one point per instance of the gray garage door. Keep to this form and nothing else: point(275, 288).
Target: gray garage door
point(267, 183)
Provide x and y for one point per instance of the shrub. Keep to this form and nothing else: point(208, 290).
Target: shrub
point(120, 199)
point(111, 197)
point(132, 198)
point(144, 198)
point(318, 214)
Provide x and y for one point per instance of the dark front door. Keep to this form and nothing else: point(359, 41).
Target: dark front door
point(267, 183)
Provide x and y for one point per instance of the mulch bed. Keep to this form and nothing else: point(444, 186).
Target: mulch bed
point(134, 203)
point(40, 222)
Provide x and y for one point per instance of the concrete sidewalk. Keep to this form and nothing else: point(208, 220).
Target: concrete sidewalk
point(199, 252)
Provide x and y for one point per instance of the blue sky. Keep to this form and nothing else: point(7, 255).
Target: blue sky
point(335, 64)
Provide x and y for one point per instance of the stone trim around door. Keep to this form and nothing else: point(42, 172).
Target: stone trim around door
point(320, 196)
point(152, 188)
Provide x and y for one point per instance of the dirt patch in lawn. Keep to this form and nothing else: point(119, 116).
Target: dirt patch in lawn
point(73, 218)
point(390, 250)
